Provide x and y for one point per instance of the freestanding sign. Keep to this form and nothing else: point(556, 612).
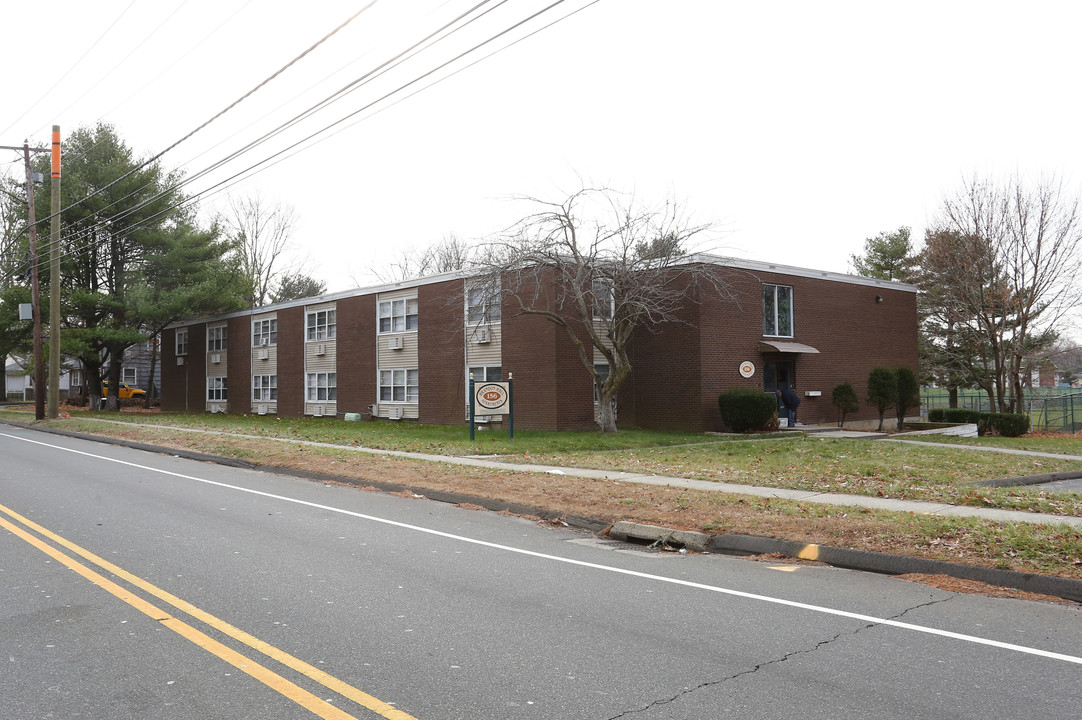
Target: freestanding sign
point(493, 398)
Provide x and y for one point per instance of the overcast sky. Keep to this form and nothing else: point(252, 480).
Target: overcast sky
point(799, 129)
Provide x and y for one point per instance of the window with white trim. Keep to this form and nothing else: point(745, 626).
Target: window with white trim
point(483, 306)
point(322, 325)
point(603, 299)
point(216, 389)
point(398, 315)
point(217, 338)
point(128, 375)
point(265, 332)
point(182, 342)
point(323, 387)
point(399, 385)
point(264, 387)
point(777, 310)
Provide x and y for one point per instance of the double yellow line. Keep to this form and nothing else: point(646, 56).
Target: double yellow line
point(297, 694)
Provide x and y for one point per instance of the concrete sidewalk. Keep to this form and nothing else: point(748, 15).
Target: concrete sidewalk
point(874, 503)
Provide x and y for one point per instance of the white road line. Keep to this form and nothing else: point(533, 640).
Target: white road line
point(580, 563)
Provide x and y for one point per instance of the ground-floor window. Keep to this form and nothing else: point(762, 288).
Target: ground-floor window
point(216, 389)
point(264, 387)
point(129, 376)
point(323, 386)
point(398, 385)
point(481, 373)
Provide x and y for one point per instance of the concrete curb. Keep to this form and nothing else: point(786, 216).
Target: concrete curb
point(1029, 479)
point(885, 563)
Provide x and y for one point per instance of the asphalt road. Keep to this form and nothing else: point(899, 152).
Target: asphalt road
point(135, 585)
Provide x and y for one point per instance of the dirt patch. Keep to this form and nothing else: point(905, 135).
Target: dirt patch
point(975, 587)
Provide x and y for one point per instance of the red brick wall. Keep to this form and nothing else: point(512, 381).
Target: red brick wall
point(291, 362)
point(356, 347)
point(184, 387)
point(239, 365)
point(440, 363)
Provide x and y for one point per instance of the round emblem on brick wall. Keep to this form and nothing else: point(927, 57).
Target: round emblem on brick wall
point(747, 368)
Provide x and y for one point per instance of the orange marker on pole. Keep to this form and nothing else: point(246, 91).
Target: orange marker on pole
point(56, 152)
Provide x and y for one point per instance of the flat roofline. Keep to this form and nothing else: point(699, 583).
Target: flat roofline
point(742, 264)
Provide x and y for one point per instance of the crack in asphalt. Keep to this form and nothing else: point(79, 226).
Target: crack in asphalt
point(760, 666)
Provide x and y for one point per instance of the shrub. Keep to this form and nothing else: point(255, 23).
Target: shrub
point(845, 399)
point(908, 393)
point(744, 410)
point(882, 390)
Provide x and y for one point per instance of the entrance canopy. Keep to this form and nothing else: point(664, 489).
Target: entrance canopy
point(786, 347)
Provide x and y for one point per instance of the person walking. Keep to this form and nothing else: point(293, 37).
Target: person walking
point(791, 401)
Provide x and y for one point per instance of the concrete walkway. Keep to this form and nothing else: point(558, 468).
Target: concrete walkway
point(875, 503)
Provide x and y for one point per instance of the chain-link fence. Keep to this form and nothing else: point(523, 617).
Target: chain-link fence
point(1053, 410)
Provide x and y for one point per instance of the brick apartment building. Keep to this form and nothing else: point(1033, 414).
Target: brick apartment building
point(405, 351)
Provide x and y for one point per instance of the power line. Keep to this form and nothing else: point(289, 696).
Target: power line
point(73, 66)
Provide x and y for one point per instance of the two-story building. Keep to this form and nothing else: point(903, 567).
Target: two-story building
point(405, 351)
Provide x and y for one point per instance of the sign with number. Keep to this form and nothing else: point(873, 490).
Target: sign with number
point(492, 397)
point(747, 368)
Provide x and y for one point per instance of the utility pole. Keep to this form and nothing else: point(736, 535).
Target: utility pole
point(35, 292)
point(54, 280)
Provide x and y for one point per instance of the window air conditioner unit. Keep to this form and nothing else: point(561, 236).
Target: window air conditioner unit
point(216, 358)
point(317, 410)
point(261, 409)
point(263, 354)
point(482, 335)
point(321, 348)
point(180, 360)
point(264, 341)
point(394, 413)
point(394, 343)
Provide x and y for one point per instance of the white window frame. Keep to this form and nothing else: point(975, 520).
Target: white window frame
point(399, 385)
point(321, 325)
point(264, 388)
point(217, 389)
point(603, 299)
point(134, 376)
point(182, 342)
point(395, 316)
point(322, 387)
point(217, 338)
point(774, 324)
point(266, 329)
point(483, 306)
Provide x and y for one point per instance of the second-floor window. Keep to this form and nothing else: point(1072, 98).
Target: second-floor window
point(182, 342)
point(398, 315)
point(265, 332)
point(216, 338)
point(778, 310)
point(604, 301)
point(482, 306)
point(322, 325)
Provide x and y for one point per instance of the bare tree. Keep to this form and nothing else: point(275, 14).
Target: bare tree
point(1007, 268)
point(262, 232)
point(601, 264)
point(448, 255)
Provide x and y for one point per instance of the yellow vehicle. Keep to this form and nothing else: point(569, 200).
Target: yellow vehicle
point(126, 391)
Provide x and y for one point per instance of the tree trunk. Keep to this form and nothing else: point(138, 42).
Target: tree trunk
point(153, 364)
point(605, 416)
point(952, 396)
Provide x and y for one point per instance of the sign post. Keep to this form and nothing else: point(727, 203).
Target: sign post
point(494, 398)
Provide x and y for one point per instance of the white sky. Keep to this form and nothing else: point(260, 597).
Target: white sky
point(799, 128)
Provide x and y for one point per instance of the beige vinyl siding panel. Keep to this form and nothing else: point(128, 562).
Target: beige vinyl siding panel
point(489, 353)
point(217, 369)
point(320, 363)
point(268, 366)
point(409, 292)
point(330, 408)
point(404, 358)
point(409, 412)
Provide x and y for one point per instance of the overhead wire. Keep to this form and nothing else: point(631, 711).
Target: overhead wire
point(73, 66)
point(281, 155)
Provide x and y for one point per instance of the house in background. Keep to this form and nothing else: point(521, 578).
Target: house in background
point(19, 384)
point(405, 351)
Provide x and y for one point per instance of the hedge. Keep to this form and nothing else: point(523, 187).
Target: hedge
point(744, 410)
point(1005, 424)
